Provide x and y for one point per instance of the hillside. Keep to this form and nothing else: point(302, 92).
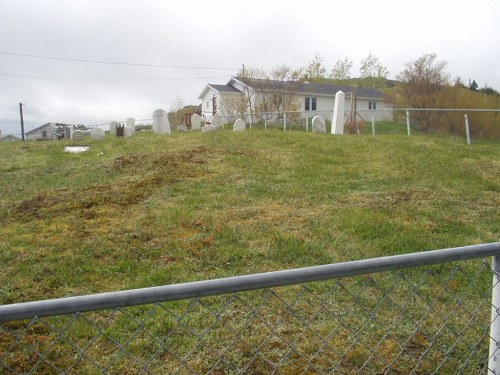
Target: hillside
point(156, 210)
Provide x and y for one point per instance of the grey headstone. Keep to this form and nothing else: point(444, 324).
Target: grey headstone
point(130, 127)
point(239, 125)
point(78, 135)
point(112, 127)
point(195, 122)
point(208, 128)
point(216, 121)
point(318, 125)
point(97, 134)
point(161, 125)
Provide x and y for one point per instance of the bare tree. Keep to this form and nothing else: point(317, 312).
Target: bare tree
point(273, 91)
point(424, 84)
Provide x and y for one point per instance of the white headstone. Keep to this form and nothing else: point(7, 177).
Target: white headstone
point(195, 122)
point(318, 125)
point(161, 125)
point(239, 125)
point(208, 128)
point(216, 121)
point(112, 127)
point(78, 135)
point(338, 113)
point(130, 127)
point(97, 134)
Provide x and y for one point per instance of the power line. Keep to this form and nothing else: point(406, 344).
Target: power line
point(60, 78)
point(114, 62)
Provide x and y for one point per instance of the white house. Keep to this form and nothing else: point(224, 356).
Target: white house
point(258, 95)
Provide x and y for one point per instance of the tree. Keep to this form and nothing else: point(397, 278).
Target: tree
point(473, 85)
point(274, 91)
point(372, 72)
point(316, 71)
point(341, 70)
point(424, 84)
point(371, 67)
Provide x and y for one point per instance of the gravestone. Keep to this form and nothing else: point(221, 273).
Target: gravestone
point(161, 125)
point(208, 128)
point(112, 127)
point(130, 127)
point(239, 125)
point(318, 125)
point(97, 134)
point(338, 113)
point(216, 120)
point(78, 136)
point(195, 122)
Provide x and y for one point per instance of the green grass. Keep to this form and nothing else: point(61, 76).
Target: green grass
point(154, 210)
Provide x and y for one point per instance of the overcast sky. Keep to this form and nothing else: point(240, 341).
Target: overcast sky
point(191, 43)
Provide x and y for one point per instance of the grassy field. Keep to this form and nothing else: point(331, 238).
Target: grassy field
point(154, 210)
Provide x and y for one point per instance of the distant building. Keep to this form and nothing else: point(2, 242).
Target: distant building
point(52, 130)
point(244, 95)
point(10, 138)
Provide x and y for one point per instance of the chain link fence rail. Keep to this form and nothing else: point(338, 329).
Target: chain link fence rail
point(369, 316)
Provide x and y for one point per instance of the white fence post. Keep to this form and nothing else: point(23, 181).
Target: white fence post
point(408, 121)
point(307, 123)
point(494, 355)
point(467, 130)
point(373, 126)
point(284, 121)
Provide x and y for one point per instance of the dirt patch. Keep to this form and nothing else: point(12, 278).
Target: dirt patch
point(143, 175)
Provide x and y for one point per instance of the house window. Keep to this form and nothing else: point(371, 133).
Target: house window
point(310, 104)
point(44, 134)
point(372, 105)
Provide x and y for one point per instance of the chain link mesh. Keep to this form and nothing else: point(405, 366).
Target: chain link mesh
point(408, 322)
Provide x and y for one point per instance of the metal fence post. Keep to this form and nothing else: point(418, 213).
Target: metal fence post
point(284, 121)
point(408, 121)
point(467, 130)
point(494, 356)
point(373, 126)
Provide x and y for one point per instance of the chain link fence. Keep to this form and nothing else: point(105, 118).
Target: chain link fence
point(407, 321)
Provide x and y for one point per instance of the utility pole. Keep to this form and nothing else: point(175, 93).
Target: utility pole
point(22, 120)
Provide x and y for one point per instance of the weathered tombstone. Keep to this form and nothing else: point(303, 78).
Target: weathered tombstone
point(97, 134)
point(161, 125)
point(78, 136)
point(216, 120)
point(195, 122)
point(208, 128)
point(112, 127)
point(182, 128)
point(318, 125)
point(130, 127)
point(120, 130)
point(239, 125)
point(338, 113)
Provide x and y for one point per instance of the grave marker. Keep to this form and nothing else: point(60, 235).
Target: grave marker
point(161, 125)
point(319, 125)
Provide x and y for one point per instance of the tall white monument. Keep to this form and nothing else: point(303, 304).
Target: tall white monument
point(338, 113)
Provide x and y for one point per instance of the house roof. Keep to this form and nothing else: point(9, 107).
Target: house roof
point(304, 88)
point(220, 88)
